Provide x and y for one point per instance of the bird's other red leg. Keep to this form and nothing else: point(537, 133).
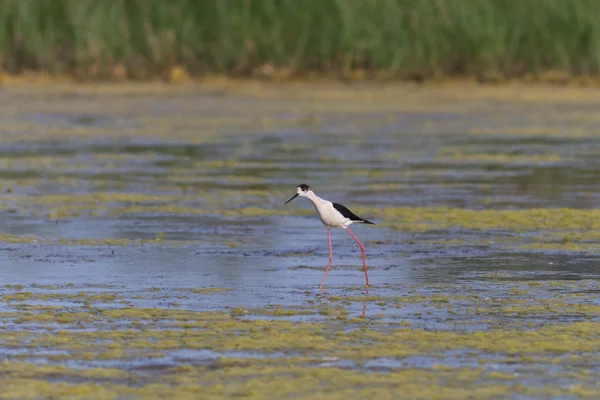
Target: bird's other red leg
point(362, 250)
point(330, 258)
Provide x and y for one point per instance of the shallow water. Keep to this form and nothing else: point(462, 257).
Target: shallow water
point(146, 250)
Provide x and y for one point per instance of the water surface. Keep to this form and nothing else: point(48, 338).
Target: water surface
point(146, 250)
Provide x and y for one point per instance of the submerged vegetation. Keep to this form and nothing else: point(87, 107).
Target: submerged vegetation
point(487, 39)
point(493, 345)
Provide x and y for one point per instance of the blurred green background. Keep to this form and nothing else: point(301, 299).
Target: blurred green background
point(407, 39)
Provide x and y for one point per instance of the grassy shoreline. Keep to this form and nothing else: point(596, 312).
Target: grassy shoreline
point(178, 76)
point(486, 40)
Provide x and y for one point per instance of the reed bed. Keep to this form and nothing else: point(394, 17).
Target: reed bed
point(407, 39)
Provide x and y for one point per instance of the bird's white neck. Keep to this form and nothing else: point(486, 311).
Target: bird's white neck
point(313, 197)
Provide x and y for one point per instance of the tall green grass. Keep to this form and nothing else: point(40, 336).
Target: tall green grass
point(403, 38)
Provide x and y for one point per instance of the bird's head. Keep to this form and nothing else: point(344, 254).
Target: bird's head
point(302, 191)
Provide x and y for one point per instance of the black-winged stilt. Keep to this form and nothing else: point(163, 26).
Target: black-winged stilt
point(333, 215)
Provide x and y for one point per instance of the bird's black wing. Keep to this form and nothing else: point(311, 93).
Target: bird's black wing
point(349, 214)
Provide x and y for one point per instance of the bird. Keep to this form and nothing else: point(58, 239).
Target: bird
point(333, 215)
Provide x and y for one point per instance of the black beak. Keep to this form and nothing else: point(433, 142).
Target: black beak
point(293, 197)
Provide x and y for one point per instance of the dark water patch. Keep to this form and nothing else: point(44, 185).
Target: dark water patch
point(79, 120)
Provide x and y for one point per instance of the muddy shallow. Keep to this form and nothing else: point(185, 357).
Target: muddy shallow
point(146, 250)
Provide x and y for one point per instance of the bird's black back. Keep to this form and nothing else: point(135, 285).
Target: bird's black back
point(349, 214)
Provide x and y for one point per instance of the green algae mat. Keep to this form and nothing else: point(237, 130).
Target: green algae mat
point(146, 252)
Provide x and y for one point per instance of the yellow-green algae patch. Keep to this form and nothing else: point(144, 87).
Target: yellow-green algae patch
point(288, 357)
point(159, 239)
point(207, 290)
point(222, 332)
point(571, 247)
point(80, 297)
point(111, 241)
point(94, 198)
point(490, 158)
point(17, 239)
point(314, 383)
point(418, 219)
point(26, 370)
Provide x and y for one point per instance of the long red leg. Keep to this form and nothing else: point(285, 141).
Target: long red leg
point(362, 250)
point(330, 258)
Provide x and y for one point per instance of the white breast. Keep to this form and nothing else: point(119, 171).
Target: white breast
point(329, 216)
